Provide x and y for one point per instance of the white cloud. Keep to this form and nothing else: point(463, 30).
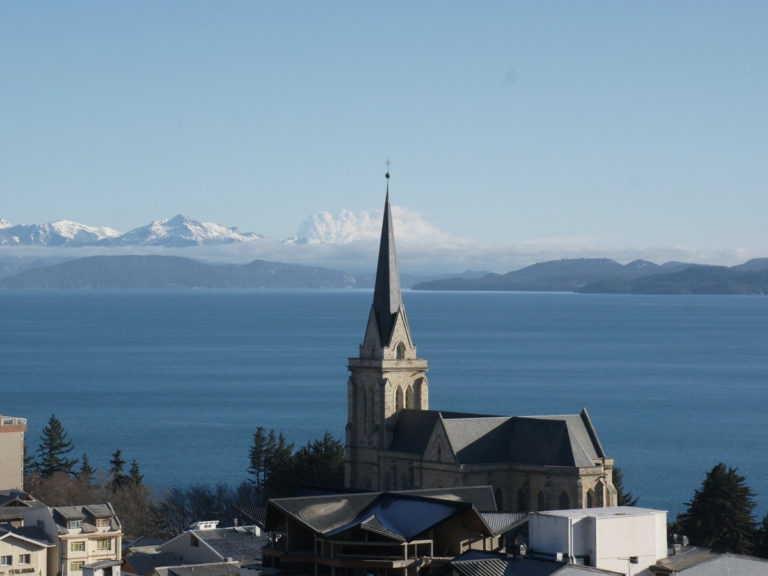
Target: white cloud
point(347, 227)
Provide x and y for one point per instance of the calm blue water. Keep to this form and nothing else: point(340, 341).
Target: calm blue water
point(180, 380)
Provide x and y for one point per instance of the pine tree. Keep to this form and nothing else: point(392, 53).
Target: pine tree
point(87, 472)
point(53, 449)
point(720, 514)
point(116, 477)
point(136, 476)
point(761, 540)
point(623, 497)
point(257, 456)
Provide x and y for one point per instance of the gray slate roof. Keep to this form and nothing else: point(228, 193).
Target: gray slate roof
point(144, 562)
point(34, 533)
point(567, 440)
point(695, 561)
point(239, 543)
point(88, 514)
point(217, 569)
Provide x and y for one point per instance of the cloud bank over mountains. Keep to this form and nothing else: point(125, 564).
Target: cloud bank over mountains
point(345, 241)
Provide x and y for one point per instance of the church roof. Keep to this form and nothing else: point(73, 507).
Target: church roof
point(387, 299)
point(567, 440)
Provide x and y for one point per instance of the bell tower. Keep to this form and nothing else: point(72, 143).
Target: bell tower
point(386, 377)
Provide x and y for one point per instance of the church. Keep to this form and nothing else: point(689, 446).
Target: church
point(395, 442)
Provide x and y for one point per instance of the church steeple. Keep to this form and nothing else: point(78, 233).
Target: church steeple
point(387, 299)
point(387, 377)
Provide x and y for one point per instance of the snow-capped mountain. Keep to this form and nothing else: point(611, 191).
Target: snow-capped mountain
point(59, 233)
point(181, 231)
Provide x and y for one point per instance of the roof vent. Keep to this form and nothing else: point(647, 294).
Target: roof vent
point(204, 525)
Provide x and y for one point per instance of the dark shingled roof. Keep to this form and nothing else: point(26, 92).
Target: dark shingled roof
point(567, 440)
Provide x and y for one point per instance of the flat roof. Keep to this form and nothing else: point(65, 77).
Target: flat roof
point(610, 512)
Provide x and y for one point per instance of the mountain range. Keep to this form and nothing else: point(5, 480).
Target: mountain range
point(606, 276)
point(177, 232)
point(585, 275)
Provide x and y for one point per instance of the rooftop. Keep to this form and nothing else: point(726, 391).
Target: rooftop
point(611, 512)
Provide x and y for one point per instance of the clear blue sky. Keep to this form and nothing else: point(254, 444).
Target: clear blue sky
point(623, 125)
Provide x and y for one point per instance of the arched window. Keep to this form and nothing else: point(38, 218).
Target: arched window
point(366, 409)
point(398, 399)
point(564, 502)
point(590, 499)
point(400, 351)
point(540, 501)
point(439, 452)
point(522, 501)
point(499, 498)
point(409, 402)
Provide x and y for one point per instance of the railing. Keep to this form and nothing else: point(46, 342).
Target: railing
point(12, 421)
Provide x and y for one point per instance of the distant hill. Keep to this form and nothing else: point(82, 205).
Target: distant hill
point(602, 275)
point(554, 276)
point(695, 279)
point(121, 272)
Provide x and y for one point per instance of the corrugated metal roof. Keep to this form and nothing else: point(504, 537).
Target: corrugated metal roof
point(402, 517)
point(501, 522)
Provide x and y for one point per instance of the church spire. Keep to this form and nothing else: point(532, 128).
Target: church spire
point(387, 299)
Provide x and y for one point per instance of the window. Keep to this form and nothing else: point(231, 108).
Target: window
point(73, 524)
point(77, 546)
point(104, 544)
point(76, 566)
point(6, 560)
point(102, 522)
point(25, 559)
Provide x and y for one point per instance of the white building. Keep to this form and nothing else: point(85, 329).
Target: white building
point(623, 539)
point(12, 452)
point(88, 538)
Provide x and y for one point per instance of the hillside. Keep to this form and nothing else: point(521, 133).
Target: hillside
point(602, 275)
point(131, 272)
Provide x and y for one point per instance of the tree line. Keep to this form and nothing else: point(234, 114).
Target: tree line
point(275, 469)
point(719, 516)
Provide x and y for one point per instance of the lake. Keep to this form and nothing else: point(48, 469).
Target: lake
point(179, 380)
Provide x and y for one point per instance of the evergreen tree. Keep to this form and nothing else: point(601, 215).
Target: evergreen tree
point(280, 479)
point(761, 540)
point(720, 514)
point(53, 449)
point(623, 497)
point(257, 456)
point(116, 477)
point(136, 476)
point(87, 472)
point(320, 462)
